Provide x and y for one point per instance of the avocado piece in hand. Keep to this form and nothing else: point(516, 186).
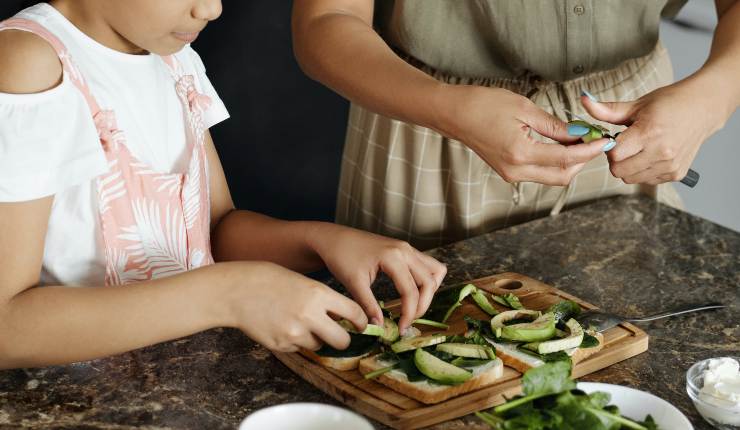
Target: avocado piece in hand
point(390, 331)
point(594, 132)
point(370, 329)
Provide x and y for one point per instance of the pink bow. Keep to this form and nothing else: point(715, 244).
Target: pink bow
point(105, 123)
point(196, 100)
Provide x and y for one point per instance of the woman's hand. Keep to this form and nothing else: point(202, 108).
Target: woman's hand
point(355, 257)
point(284, 310)
point(665, 130)
point(496, 124)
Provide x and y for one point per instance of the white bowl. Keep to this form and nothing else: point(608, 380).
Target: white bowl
point(723, 418)
point(636, 404)
point(304, 416)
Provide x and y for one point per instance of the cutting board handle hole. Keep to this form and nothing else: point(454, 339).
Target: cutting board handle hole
point(507, 284)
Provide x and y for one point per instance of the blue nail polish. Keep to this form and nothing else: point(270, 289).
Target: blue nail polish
point(589, 95)
point(609, 145)
point(577, 130)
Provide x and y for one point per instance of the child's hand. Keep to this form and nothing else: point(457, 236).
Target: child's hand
point(355, 257)
point(284, 310)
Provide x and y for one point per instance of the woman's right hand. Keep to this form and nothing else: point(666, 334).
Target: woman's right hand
point(284, 310)
point(496, 124)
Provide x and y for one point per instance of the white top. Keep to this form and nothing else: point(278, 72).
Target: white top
point(49, 144)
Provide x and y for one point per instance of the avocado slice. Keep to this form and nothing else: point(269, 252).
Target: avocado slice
point(573, 340)
point(370, 329)
point(408, 344)
point(465, 292)
point(499, 320)
point(482, 301)
point(594, 131)
point(469, 363)
point(468, 350)
point(390, 331)
point(543, 328)
point(439, 370)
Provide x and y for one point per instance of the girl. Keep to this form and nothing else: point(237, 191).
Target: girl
point(117, 229)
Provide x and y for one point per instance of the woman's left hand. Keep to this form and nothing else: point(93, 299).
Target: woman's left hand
point(355, 257)
point(665, 130)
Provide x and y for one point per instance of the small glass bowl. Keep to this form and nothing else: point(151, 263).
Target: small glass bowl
point(720, 417)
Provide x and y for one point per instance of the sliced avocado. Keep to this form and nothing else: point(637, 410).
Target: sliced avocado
point(593, 131)
point(465, 292)
point(417, 342)
point(468, 363)
point(439, 370)
point(543, 328)
point(499, 320)
point(390, 331)
point(468, 350)
point(370, 329)
point(482, 301)
point(513, 301)
point(500, 300)
point(573, 340)
point(431, 323)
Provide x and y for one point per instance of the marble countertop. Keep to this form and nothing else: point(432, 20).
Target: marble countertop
point(627, 254)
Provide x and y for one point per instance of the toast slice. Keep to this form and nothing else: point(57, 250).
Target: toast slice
point(338, 363)
point(426, 392)
point(522, 361)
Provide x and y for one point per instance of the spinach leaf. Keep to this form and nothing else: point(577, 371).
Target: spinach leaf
point(547, 379)
point(589, 341)
point(444, 356)
point(359, 344)
point(565, 310)
point(649, 423)
point(442, 302)
point(407, 366)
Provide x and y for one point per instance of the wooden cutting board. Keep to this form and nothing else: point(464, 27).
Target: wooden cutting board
point(400, 412)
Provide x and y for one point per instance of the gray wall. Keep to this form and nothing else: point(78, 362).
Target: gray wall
point(717, 196)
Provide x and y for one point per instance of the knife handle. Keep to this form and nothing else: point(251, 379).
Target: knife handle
point(691, 178)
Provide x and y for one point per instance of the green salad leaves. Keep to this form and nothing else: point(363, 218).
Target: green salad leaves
point(550, 401)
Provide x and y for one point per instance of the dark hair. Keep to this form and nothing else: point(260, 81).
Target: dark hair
point(22, 4)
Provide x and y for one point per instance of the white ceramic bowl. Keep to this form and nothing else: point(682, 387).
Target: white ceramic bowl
point(304, 416)
point(636, 404)
point(719, 417)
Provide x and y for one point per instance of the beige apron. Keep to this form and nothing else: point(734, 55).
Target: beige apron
point(409, 182)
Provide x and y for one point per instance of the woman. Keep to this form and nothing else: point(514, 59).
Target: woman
point(446, 96)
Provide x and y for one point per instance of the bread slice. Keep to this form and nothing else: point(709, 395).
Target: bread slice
point(583, 353)
point(521, 361)
point(428, 393)
point(338, 363)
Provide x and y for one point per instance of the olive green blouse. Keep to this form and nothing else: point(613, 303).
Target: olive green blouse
point(554, 39)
